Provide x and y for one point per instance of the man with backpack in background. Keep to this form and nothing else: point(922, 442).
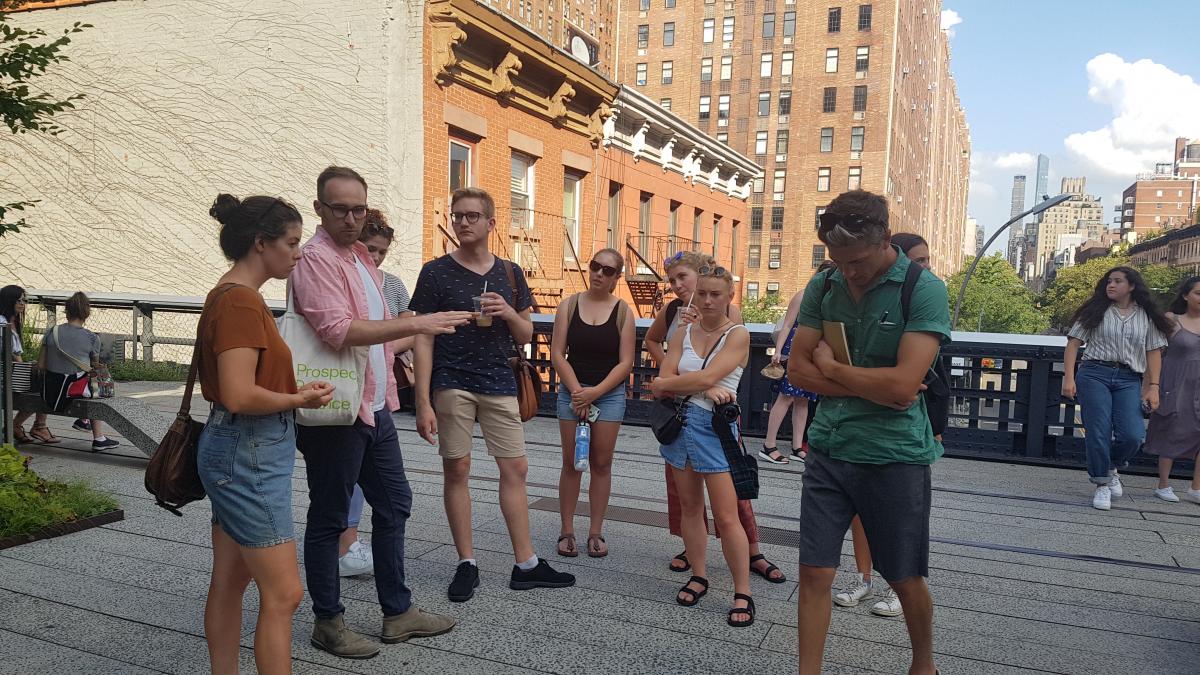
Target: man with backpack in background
point(871, 440)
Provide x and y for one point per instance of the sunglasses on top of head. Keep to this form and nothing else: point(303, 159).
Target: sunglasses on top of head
point(710, 271)
point(853, 222)
point(608, 270)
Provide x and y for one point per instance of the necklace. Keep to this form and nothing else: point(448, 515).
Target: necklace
point(713, 330)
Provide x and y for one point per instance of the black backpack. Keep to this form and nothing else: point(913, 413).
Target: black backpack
point(937, 378)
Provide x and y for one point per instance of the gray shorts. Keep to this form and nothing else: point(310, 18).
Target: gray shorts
point(891, 499)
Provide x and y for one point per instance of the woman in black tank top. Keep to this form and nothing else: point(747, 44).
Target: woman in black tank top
point(592, 351)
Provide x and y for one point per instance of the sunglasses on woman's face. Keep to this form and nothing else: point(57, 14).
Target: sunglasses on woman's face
point(609, 270)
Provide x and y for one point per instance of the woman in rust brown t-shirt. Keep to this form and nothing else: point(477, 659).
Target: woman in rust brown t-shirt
point(247, 450)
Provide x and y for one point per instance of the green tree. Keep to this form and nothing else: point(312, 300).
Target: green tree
point(763, 309)
point(996, 301)
point(26, 55)
point(1074, 285)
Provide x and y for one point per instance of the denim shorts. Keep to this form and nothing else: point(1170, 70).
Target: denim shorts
point(698, 443)
point(245, 463)
point(611, 405)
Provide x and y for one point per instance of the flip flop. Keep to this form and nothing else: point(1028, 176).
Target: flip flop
point(572, 551)
point(594, 551)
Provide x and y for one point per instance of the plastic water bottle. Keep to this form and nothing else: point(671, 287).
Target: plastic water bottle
point(583, 444)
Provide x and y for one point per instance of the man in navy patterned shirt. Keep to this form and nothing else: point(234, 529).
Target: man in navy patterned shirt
point(464, 377)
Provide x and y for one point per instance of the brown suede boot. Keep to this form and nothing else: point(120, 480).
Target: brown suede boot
point(415, 623)
point(331, 635)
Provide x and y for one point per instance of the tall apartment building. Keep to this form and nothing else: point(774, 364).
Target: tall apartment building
point(1080, 217)
point(826, 97)
point(581, 28)
point(1166, 199)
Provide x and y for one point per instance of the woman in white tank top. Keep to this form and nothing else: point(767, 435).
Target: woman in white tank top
point(705, 361)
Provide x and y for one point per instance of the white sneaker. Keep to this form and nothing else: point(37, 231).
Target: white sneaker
point(852, 595)
point(1166, 494)
point(1192, 496)
point(1115, 487)
point(888, 606)
point(1103, 498)
point(356, 561)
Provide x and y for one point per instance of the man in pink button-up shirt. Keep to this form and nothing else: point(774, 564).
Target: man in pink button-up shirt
point(339, 292)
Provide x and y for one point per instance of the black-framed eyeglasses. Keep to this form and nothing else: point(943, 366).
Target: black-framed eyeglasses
point(471, 217)
point(339, 212)
point(853, 222)
point(711, 271)
point(608, 270)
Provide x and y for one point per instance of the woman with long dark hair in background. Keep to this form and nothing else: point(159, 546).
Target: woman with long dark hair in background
point(12, 313)
point(1124, 333)
point(1174, 431)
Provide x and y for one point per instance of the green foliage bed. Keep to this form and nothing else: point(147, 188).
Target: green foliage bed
point(29, 504)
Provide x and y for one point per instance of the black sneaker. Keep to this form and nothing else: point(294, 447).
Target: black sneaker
point(466, 580)
point(105, 444)
point(542, 576)
point(82, 425)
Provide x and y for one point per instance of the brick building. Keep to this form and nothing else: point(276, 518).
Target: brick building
point(1178, 248)
point(825, 97)
point(1167, 198)
point(576, 27)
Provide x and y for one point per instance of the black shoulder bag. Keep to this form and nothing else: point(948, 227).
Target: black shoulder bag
point(668, 415)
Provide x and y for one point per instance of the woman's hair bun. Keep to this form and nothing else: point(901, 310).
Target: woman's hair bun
point(224, 207)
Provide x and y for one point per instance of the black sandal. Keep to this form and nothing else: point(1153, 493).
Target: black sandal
point(772, 455)
point(682, 557)
point(800, 454)
point(766, 574)
point(694, 596)
point(748, 609)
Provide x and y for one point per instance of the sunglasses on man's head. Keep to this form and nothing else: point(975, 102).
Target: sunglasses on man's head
point(853, 222)
point(608, 270)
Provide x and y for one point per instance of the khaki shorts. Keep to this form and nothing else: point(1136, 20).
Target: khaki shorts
point(498, 416)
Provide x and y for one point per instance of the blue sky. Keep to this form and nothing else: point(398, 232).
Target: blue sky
point(1101, 87)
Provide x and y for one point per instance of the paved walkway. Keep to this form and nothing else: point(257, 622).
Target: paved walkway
point(1026, 578)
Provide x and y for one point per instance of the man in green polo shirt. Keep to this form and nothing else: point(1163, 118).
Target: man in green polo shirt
point(871, 441)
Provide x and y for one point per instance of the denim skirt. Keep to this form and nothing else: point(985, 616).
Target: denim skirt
point(245, 463)
point(698, 444)
point(611, 405)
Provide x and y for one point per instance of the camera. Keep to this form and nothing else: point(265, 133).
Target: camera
point(730, 412)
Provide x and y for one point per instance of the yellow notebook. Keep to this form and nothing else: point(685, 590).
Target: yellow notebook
point(834, 333)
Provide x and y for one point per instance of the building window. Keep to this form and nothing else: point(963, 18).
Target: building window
point(855, 178)
point(785, 63)
point(705, 102)
point(641, 74)
point(779, 181)
point(668, 70)
point(706, 69)
point(773, 287)
point(857, 138)
point(756, 218)
point(697, 221)
point(727, 29)
point(765, 64)
point(860, 98)
point(834, 24)
point(723, 107)
point(768, 25)
point(571, 195)
point(820, 210)
point(614, 212)
point(644, 5)
point(460, 164)
point(827, 139)
point(673, 225)
point(789, 24)
point(669, 4)
point(864, 17)
point(776, 218)
point(669, 34)
point(764, 103)
point(818, 255)
point(644, 209)
point(774, 260)
point(823, 179)
point(760, 143)
point(759, 185)
point(829, 100)
point(781, 142)
point(521, 190)
point(723, 137)
point(785, 103)
point(751, 287)
point(716, 234)
point(643, 36)
point(831, 60)
point(665, 103)
point(754, 257)
point(862, 59)
point(726, 67)
point(709, 25)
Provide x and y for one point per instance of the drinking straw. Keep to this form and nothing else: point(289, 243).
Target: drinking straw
point(484, 287)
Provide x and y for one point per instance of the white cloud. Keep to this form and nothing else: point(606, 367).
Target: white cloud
point(1015, 160)
point(1151, 105)
point(950, 19)
point(982, 190)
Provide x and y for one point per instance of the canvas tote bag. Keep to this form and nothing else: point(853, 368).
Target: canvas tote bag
point(315, 361)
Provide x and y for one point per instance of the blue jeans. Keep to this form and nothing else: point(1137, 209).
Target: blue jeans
point(337, 458)
point(1111, 402)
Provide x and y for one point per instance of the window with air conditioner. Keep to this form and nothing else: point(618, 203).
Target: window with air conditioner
point(774, 259)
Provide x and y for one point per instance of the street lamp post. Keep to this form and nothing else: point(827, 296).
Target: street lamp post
point(1038, 208)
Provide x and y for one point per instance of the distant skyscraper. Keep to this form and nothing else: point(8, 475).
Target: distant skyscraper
point(1018, 197)
point(1016, 234)
point(1041, 179)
